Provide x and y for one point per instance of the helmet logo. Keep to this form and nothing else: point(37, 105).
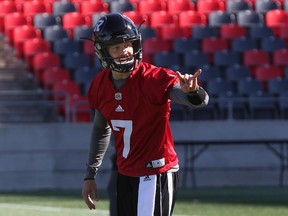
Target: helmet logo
point(98, 25)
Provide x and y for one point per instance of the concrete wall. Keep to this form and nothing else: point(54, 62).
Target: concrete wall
point(43, 156)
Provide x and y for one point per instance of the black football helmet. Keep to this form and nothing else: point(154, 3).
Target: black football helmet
point(113, 29)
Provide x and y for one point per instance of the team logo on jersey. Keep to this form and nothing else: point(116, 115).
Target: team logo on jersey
point(147, 178)
point(119, 109)
point(118, 96)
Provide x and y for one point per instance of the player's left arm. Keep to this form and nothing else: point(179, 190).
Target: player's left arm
point(188, 92)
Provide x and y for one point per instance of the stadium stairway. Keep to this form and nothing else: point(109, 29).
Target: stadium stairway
point(21, 101)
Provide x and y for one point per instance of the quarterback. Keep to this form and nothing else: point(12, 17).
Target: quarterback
point(131, 99)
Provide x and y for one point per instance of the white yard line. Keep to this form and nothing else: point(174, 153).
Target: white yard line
point(49, 208)
point(59, 209)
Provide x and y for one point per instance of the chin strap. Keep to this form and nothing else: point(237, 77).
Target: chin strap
point(84, 38)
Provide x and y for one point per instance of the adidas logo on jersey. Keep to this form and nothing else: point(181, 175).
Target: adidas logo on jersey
point(119, 109)
point(146, 178)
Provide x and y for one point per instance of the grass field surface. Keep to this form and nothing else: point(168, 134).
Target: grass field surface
point(190, 202)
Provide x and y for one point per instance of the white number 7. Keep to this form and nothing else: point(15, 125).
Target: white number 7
point(127, 125)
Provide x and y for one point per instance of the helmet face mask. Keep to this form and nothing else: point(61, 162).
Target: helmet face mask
point(114, 29)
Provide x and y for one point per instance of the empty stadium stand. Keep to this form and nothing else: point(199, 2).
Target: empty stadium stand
point(239, 41)
point(21, 99)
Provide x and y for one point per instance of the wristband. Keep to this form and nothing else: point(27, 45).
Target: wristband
point(193, 93)
point(88, 179)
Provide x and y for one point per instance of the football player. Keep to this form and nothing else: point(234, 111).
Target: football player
point(132, 100)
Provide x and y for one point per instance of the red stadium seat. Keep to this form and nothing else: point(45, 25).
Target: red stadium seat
point(47, 1)
point(88, 49)
point(255, 57)
point(276, 18)
point(76, 2)
point(148, 57)
point(214, 44)
point(160, 18)
point(33, 46)
point(67, 86)
point(64, 88)
point(74, 19)
point(80, 110)
point(206, 6)
point(137, 18)
point(283, 32)
point(44, 60)
point(53, 75)
point(153, 45)
point(191, 18)
point(21, 34)
point(172, 32)
point(88, 8)
point(232, 31)
point(5, 8)
point(178, 6)
point(21, 1)
point(267, 72)
point(49, 5)
point(63, 91)
point(11, 21)
point(280, 57)
point(149, 6)
point(31, 8)
point(188, 19)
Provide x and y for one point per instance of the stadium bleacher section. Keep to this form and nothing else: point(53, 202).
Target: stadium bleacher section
point(20, 98)
point(240, 44)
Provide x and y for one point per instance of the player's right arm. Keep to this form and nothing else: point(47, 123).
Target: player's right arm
point(100, 138)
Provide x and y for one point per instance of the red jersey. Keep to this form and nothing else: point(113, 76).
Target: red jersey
point(138, 114)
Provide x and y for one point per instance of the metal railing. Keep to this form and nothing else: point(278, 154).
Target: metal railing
point(15, 102)
point(60, 102)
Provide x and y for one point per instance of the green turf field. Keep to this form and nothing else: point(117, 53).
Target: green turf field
point(191, 202)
